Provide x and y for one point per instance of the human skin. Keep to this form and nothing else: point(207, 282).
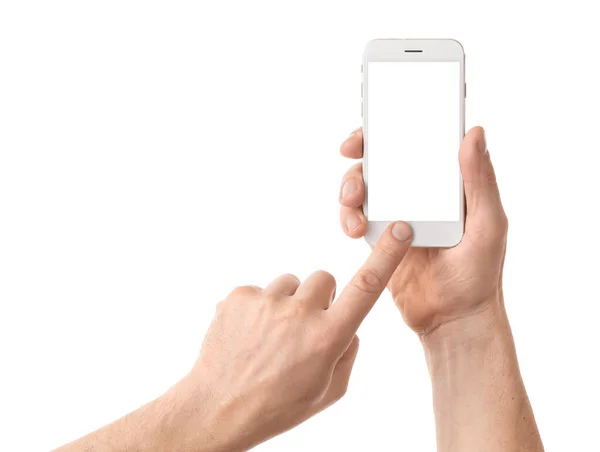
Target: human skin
point(452, 298)
point(271, 359)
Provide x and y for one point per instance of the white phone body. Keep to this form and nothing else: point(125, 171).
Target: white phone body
point(414, 97)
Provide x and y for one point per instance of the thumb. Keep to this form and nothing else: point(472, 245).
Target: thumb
point(485, 213)
point(341, 375)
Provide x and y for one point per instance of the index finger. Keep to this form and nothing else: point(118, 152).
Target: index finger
point(361, 293)
point(352, 147)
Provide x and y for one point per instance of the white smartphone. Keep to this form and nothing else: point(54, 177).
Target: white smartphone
point(413, 123)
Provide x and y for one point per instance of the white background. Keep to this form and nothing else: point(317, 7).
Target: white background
point(155, 154)
point(413, 120)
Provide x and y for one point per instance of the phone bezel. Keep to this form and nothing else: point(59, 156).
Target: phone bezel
point(425, 233)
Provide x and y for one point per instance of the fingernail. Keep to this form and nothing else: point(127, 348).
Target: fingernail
point(482, 143)
point(348, 188)
point(401, 231)
point(352, 222)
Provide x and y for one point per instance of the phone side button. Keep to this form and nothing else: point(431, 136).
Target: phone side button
point(361, 109)
point(465, 90)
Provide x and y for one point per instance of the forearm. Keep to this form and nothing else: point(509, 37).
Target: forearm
point(145, 429)
point(174, 422)
point(479, 398)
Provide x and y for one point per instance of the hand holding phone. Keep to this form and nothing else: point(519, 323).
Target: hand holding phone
point(435, 286)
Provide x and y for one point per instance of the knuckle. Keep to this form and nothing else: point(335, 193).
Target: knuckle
point(368, 281)
point(244, 291)
point(388, 251)
point(326, 278)
point(290, 276)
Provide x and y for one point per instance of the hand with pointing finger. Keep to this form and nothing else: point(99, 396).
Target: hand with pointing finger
point(271, 359)
point(274, 357)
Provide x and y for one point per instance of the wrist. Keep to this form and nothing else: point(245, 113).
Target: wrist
point(473, 331)
point(477, 385)
point(198, 420)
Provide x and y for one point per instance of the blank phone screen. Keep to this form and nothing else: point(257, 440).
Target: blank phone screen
point(413, 136)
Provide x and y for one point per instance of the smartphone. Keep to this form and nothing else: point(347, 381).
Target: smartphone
point(413, 110)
